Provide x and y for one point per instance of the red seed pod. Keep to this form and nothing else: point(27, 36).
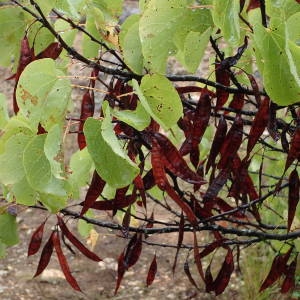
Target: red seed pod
point(26, 57)
point(36, 240)
point(87, 110)
point(277, 269)
point(182, 204)
point(294, 152)
point(224, 274)
point(52, 51)
point(222, 77)
point(69, 235)
point(255, 88)
point(121, 270)
point(259, 124)
point(201, 117)
point(254, 4)
point(187, 272)
point(217, 143)
point(45, 256)
point(211, 247)
point(174, 161)
point(63, 262)
point(158, 170)
point(152, 271)
point(293, 199)
point(197, 257)
point(237, 102)
point(139, 184)
point(289, 281)
point(133, 250)
point(209, 281)
point(95, 189)
point(231, 144)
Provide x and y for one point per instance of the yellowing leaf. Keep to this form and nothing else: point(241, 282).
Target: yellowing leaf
point(42, 94)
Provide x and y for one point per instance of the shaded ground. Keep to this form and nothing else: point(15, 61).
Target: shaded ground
point(97, 280)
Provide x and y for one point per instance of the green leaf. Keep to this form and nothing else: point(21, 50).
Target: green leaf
point(46, 6)
point(225, 14)
point(84, 228)
point(163, 28)
point(90, 49)
point(70, 7)
point(281, 8)
point(12, 24)
point(138, 118)
point(24, 193)
point(53, 203)
point(110, 7)
point(40, 37)
point(280, 58)
point(131, 44)
point(15, 125)
point(53, 151)
point(112, 164)
point(8, 229)
point(193, 20)
point(158, 25)
point(194, 47)
point(160, 99)
point(293, 28)
point(65, 31)
point(108, 192)
point(54, 195)
point(3, 111)
point(43, 94)
point(80, 165)
point(12, 170)
point(36, 165)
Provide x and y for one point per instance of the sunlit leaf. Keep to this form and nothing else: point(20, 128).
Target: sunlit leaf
point(280, 64)
point(138, 118)
point(12, 169)
point(194, 47)
point(42, 95)
point(24, 193)
point(36, 240)
point(37, 170)
point(226, 16)
point(112, 164)
point(163, 28)
point(80, 165)
point(131, 44)
point(12, 24)
point(8, 232)
point(160, 99)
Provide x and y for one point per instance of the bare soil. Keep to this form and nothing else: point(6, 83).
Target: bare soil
point(97, 280)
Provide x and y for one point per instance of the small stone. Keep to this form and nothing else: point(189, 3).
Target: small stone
point(135, 284)
point(52, 276)
point(102, 265)
point(3, 273)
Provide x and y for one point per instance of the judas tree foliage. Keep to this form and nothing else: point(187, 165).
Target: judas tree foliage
point(215, 153)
